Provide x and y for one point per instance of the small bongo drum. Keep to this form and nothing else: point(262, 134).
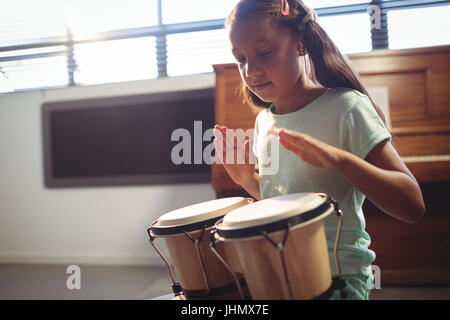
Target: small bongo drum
point(282, 247)
point(186, 232)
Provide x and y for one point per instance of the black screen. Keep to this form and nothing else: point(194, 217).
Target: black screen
point(126, 140)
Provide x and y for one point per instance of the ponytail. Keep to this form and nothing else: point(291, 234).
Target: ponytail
point(330, 68)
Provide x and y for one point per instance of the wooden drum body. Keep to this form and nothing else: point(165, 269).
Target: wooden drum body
point(186, 233)
point(281, 245)
point(189, 269)
point(307, 264)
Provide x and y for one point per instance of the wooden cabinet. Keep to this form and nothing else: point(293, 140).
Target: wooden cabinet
point(419, 98)
point(419, 101)
point(231, 111)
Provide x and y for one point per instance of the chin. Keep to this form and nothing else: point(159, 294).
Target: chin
point(264, 97)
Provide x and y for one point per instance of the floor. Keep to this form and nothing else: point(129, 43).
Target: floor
point(22, 281)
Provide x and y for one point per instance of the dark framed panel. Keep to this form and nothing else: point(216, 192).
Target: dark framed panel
point(126, 140)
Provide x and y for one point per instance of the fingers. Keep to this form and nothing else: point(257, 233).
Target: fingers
point(222, 143)
point(219, 154)
point(293, 141)
point(230, 147)
point(249, 155)
point(290, 134)
point(274, 131)
point(294, 137)
point(230, 141)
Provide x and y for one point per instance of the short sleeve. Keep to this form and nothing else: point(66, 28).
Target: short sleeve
point(363, 128)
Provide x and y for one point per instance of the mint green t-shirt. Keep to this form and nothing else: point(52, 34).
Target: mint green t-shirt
point(343, 118)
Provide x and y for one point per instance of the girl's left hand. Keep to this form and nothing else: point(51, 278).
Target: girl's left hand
point(310, 150)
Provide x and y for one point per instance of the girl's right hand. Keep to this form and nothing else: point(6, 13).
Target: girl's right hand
point(234, 154)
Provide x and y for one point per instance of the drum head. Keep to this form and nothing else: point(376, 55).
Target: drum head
point(274, 214)
point(197, 216)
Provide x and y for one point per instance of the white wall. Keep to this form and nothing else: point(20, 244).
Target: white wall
point(104, 225)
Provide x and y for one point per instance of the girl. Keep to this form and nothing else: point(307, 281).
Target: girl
point(331, 134)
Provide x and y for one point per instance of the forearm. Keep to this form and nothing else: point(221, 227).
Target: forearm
point(252, 186)
point(394, 192)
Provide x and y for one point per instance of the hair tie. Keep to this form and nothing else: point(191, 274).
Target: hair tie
point(311, 15)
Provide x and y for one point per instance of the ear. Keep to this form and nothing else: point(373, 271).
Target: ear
point(301, 51)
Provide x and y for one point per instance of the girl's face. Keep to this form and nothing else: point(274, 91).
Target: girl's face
point(267, 58)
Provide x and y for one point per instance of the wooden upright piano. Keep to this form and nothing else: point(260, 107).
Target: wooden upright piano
point(419, 101)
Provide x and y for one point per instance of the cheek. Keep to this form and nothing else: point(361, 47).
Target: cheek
point(290, 68)
point(242, 73)
point(285, 67)
point(244, 79)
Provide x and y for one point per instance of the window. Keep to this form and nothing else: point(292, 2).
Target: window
point(87, 17)
point(350, 32)
point(419, 27)
point(50, 43)
point(332, 3)
point(23, 68)
point(176, 11)
point(196, 52)
point(114, 61)
point(32, 73)
point(22, 20)
point(104, 49)
point(48, 68)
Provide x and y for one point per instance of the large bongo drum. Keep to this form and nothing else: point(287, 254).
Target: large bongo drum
point(186, 232)
point(282, 247)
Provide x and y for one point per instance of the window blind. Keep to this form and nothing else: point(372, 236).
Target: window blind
point(51, 43)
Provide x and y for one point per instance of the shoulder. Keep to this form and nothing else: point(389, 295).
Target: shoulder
point(263, 115)
point(348, 103)
point(346, 98)
point(263, 112)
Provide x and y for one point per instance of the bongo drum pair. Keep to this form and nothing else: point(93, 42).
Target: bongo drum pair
point(273, 249)
point(186, 232)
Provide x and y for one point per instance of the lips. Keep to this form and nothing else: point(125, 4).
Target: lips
point(261, 86)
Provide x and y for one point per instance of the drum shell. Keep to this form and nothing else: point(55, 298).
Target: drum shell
point(231, 257)
point(188, 267)
point(306, 257)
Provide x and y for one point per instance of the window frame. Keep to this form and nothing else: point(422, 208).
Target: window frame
point(379, 37)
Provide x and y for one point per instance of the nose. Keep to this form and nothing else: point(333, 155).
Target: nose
point(252, 68)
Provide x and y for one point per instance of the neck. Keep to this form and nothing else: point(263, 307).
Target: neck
point(300, 95)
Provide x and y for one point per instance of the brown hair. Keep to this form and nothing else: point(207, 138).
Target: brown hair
point(329, 68)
